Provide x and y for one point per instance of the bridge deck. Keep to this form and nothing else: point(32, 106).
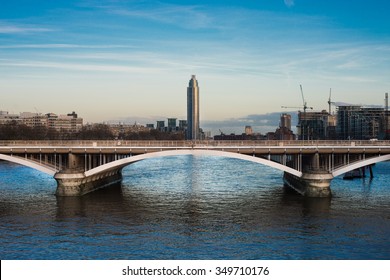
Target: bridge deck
point(187, 143)
point(244, 147)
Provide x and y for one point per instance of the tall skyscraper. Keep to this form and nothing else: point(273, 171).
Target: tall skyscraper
point(193, 110)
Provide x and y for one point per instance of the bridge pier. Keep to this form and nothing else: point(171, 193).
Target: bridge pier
point(316, 184)
point(71, 183)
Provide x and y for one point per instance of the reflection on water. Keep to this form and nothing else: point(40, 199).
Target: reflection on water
point(193, 208)
point(107, 199)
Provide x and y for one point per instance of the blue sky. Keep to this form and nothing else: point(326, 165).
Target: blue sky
point(126, 59)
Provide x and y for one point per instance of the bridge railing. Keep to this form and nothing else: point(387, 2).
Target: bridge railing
point(188, 143)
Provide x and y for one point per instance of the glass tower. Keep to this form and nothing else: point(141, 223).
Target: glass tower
point(193, 110)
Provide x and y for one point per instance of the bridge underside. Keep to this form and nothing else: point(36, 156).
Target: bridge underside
point(81, 170)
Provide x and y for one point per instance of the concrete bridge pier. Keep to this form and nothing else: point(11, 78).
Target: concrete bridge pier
point(313, 184)
point(315, 179)
point(77, 183)
point(72, 181)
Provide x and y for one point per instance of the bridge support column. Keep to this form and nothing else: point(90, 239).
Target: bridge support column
point(77, 184)
point(310, 184)
point(74, 162)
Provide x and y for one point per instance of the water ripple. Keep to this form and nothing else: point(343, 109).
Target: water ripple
point(193, 208)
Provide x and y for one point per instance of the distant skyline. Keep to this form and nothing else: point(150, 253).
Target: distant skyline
point(118, 59)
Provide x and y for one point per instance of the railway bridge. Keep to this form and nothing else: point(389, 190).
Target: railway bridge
point(80, 167)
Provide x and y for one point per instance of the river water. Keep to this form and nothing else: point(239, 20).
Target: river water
point(193, 207)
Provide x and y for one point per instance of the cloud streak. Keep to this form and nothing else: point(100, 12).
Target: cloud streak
point(184, 16)
point(333, 61)
point(289, 3)
point(80, 67)
point(6, 28)
point(63, 46)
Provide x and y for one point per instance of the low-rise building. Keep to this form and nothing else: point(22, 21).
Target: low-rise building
point(6, 117)
point(70, 122)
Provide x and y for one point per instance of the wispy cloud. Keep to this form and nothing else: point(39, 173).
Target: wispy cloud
point(185, 16)
point(289, 3)
point(79, 66)
point(7, 28)
point(63, 46)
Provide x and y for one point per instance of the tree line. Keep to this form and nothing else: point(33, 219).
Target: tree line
point(16, 131)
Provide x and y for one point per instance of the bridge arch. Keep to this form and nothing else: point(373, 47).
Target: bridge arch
point(353, 166)
point(28, 163)
point(118, 164)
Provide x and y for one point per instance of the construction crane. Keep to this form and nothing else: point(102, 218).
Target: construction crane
point(330, 102)
point(304, 101)
point(304, 107)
